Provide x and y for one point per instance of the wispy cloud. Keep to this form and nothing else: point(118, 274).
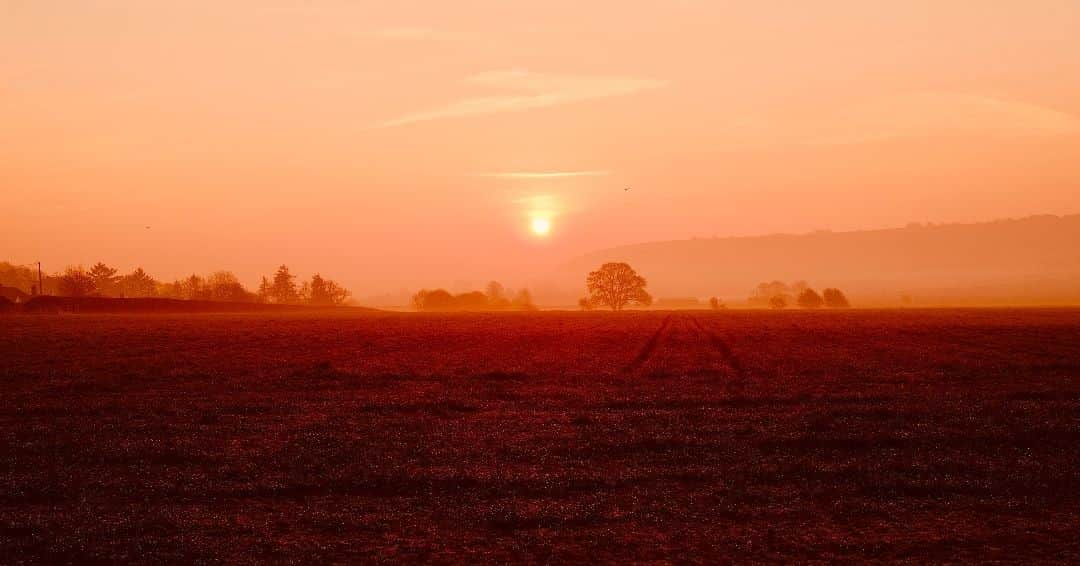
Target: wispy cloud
point(905, 116)
point(532, 90)
point(921, 114)
point(544, 174)
point(412, 34)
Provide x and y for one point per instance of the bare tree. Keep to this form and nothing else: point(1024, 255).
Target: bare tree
point(265, 290)
point(76, 282)
point(338, 294)
point(194, 288)
point(322, 291)
point(617, 285)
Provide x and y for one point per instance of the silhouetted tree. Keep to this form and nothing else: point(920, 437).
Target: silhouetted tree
point(715, 304)
point(585, 304)
point(496, 295)
point(174, 290)
point(18, 276)
point(137, 284)
point(797, 288)
point(419, 299)
point(194, 288)
point(104, 279)
point(763, 294)
point(616, 285)
point(283, 289)
point(316, 291)
point(777, 302)
point(338, 294)
point(809, 299)
point(494, 298)
point(523, 301)
point(436, 300)
point(76, 282)
point(303, 295)
point(471, 301)
point(324, 292)
point(264, 290)
point(834, 298)
point(224, 286)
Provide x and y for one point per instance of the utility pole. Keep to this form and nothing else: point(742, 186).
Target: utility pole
point(40, 287)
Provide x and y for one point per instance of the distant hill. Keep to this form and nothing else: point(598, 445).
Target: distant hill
point(1034, 260)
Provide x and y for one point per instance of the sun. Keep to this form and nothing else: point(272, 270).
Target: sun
point(541, 226)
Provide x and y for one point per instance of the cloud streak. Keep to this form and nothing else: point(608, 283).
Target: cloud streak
point(529, 91)
point(922, 114)
point(906, 116)
point(544, 174)
point(412, 34)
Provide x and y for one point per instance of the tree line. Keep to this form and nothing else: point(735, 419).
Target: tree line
point(102, 280)
point(616, 285)
point(494, 297)
point(779, 295)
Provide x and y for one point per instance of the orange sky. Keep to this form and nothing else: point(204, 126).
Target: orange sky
point(398, 144)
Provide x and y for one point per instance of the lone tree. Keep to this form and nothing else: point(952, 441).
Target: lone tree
point(617, 285)
point(835, 299)
point(809, 299)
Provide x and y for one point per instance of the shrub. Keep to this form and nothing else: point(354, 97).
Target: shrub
point(809, 299)
point(834, 298)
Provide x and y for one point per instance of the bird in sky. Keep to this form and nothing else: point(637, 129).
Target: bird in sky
point(626, 189)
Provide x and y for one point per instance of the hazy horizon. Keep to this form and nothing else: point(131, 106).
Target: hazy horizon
point(414, 145)
point(1001, 261)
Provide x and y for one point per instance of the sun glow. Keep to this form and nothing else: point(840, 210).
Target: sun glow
point(541, 226)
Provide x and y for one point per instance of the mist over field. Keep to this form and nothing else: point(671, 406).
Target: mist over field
point(1028, 261)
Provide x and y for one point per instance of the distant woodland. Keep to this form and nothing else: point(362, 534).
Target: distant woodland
point(494, 297)
point(101, 280)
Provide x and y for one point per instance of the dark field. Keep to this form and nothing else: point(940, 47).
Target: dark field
point(776, 436)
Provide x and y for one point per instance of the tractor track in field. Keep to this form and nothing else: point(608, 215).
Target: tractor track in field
point(649, 348)
point(721, 347)
point(695, 328)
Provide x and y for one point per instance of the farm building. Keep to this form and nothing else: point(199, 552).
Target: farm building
point(13, 294)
